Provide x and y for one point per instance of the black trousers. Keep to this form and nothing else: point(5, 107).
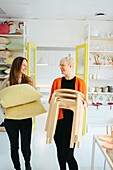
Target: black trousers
point(62, 137)
point(13, 127)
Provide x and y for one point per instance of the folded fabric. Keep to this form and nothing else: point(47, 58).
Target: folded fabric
point(2, 72)
point(25, 111)
point(4, 40)
point(15, 46)
point(3, 68)
point(9, 60)
point(4, 76)
point(7, 71)
point(2, 46)
point(5, 54)
point(18, 94)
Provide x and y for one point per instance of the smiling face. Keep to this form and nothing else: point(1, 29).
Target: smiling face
point(24, 67)
point(66, 69)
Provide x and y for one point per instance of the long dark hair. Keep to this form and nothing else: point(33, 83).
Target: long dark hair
point(15, 71)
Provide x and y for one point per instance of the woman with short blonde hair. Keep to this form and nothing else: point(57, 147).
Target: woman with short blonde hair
point(62, 135)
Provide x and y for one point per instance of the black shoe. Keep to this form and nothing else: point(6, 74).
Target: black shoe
point(28, 166)
point(2, 124)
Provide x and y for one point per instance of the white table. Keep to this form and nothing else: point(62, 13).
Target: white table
point(103, 150)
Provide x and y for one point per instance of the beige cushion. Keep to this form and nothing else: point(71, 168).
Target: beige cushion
point(5, 54)
point(4, 40)
point(9, 60)
point(25, 111)
point(18, 94)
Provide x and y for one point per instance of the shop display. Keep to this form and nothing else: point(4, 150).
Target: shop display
point(100, 78)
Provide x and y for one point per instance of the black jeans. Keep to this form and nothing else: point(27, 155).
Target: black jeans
point(62, 137)
point(13, 127)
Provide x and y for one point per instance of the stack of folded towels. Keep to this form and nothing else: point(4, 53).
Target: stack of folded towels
point(3, 42)
point(3, 71)
point(21, 101)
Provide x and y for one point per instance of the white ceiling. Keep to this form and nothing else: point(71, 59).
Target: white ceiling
point(57, 9)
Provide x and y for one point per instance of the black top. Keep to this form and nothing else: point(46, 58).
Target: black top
point(68, 114)
point(68, 84)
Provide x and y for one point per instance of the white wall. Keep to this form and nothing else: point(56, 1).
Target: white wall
point(56, 32)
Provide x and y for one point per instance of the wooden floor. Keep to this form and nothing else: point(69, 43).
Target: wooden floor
point(2, 129)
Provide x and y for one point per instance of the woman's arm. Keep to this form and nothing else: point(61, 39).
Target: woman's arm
point(4, 84)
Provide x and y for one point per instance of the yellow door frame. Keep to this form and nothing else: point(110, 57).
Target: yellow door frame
point(28, 70)
point(84, 46)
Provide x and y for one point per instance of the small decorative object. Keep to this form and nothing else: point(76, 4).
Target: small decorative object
point(111, 62)
point(108, 60)
point(105, 89)
point(110, 88)
point(4, 28)
point(97, 104)
point(108, 146)
point(105, 138)
point(21, 27)
point(110, 105)
point(12, 27)
point(97, 60)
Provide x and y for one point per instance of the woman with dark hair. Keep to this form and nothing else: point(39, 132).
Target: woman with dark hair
point(24, 126)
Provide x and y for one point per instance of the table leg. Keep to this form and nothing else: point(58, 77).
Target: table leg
point(93, 154)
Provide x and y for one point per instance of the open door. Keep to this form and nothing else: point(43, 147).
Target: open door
point(82, 69)
point(31, 71)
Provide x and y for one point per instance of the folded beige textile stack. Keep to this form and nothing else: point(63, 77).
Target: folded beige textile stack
point(21, 101)
point(66, 99)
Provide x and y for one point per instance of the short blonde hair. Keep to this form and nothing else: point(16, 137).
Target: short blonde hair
point(69, 60)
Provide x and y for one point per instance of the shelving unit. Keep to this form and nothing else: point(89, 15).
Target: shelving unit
point(14, 39)
point(100, 75)
point(100, 52)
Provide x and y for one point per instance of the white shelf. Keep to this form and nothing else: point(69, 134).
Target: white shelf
point(99, 38)
point(108, 93)
point(101, 79)
point(91, 105)
point(97, 51)
point(8, 35)
point(101, 65)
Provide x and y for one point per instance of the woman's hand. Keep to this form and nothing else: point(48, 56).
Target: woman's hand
point(84, 104)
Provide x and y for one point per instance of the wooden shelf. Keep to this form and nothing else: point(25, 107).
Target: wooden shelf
point(99, 38)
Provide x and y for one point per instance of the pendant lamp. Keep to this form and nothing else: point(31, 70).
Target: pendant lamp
point(42, 61)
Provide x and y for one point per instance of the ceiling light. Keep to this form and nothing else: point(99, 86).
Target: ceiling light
point(100, 14)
